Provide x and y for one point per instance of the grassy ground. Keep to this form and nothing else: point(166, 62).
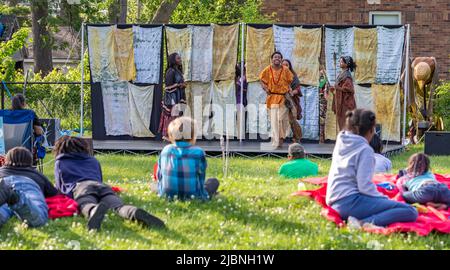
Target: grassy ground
point(252, 212)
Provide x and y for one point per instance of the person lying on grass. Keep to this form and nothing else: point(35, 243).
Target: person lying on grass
point(350, 190)
point(79, 175)
point(22, 189)
point(298, 166)
point(382, 163)
point(418, 184)
point(182, 165)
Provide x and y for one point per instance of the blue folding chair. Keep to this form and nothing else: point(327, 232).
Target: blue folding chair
point(18, 130)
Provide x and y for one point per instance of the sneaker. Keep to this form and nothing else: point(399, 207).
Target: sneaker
point(147, 219)
point(371, 226)
point(96, 217)
point(353, 223)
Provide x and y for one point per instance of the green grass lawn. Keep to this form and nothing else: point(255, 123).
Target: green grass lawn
point(253, 211)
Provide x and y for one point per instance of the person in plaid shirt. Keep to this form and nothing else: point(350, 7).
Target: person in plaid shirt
point(182, 165)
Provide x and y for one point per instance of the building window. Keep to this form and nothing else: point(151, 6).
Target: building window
point(385, 18)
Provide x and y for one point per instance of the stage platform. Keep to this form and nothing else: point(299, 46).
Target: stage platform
point(213, 148)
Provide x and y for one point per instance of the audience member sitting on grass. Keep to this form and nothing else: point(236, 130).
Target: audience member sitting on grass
point(79, 175)
point(182, 165)
point(382, 163)
point(419, 185)
point(22, 189)
point(350, 190)
point(298, 166)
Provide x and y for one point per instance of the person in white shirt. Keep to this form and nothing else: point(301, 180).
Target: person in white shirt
point(382, 163)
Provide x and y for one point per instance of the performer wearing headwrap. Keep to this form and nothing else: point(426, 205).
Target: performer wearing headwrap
point(323, 104)
point(293, 104)
point(343, 90)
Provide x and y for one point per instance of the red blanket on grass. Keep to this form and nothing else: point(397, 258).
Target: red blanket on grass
point(61, 206)
point(425, 224)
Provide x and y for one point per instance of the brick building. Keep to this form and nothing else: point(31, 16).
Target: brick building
point(429, 20)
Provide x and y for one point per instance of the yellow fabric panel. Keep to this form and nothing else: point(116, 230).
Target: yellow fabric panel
point(101, 53)
point(365, 52)
point(225, 46)
point(260, 45)
point(387, 109)
point(330, 122)
point(180, 41)
point(124, 54)
point(306, 54)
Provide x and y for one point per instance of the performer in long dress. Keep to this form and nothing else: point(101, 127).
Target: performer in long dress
point(323, 103)
point(343, 90)
point(174, 93)
point(276, 80)
point(293, 104)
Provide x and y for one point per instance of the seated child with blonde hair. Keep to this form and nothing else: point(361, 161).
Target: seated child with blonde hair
point(182, 165)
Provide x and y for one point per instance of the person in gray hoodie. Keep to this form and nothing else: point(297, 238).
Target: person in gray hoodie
point(350, 190)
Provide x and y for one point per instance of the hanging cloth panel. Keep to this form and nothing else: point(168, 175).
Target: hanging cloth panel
point(389, 56)
point(198, 97)
point(180, 41)
point(387, 109)
point(310, 105)
point(260, 46)
point(225, 47)
point(124, 54)
point(330, 122)
point(202, 50)
point(141, 103)
point(364, 98)
point(224, 108)
point(116, 108)
point(147, 54)
point(284, 40)
point(257, 116)
point(365, 52)
point(306, 54)
point(101, 53)
point(339, 41)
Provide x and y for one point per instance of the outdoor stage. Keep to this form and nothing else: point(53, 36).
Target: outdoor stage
point(213, 148)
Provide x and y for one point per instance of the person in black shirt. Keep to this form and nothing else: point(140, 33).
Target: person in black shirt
point(18, 103)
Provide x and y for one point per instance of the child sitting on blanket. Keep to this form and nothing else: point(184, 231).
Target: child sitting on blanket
point(382, 163)
point(182, 165)
point(298, 166)
point(79, 175)
point(419, 185)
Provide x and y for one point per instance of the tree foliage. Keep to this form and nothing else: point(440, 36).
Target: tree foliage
point(8, 49)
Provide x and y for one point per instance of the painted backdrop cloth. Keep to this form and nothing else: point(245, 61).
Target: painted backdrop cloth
point(339, 41)
point(284, 40)
point(365, 55)
point(310, 120)
point(225, 44)
point(257, 116)
point(141, 103)
point(224, 108)
point(364, 98)
point(330, 121)
point(101, 53)
point(260, 47)
point(306, 54)
point(124, 54)
point(424, 225)
point(387, 109)
point(147, 53)
point(180, 41)
point(116, 108)
point(198, 97)
point(202, 50)
point(390, 52)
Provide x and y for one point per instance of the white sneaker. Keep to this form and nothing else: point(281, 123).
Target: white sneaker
point(353, 223)
point(371, 226)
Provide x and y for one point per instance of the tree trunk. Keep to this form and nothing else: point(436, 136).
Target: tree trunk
point(123, 11)
point(42, 40)
point(113, 11)
point(165, 11)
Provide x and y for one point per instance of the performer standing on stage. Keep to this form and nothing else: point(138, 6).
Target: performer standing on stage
point(323, 96)
point(293, 103)
point(276, 80)
point(344, 92)
point(174, 94)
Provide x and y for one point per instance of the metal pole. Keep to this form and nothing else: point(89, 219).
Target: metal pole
point(82, 81)
point(241, 108)
point(407, 86)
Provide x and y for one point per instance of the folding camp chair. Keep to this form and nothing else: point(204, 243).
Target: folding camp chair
point(18, 131)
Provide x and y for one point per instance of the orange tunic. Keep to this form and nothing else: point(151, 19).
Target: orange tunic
point(278, 82)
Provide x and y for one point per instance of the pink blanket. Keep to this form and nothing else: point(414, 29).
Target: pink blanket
point(425, 223)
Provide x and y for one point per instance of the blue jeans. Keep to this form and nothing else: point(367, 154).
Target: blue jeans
point(31, 205)
point(376, 210)
point(435, 192)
